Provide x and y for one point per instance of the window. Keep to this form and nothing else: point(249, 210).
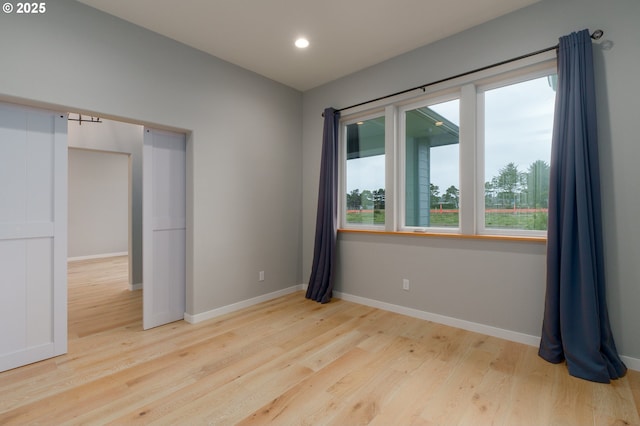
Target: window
point(468, 157)
point(518, 123)
point(432, 165)
point(364, 199)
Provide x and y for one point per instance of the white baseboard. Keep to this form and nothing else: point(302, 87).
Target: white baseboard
point(194, 319)
point(631, 363)
point(97, 256)
point(513, 336)
point(134, 287)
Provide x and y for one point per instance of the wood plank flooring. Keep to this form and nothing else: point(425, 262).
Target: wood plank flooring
point(291, 361)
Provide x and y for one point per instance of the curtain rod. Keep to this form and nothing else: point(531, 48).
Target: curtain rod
point(597, 34)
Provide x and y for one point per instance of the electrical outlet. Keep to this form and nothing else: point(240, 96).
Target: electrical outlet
point(261, 276)
point(405, 284)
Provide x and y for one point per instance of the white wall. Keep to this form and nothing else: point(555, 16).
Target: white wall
point(500, 284)
point(243, 143)
point(125, 138)
point(98, 203)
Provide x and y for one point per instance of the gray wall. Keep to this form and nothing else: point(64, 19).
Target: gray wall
point(115, 136)
point(497, 283)
point(98, 203)
point(243, 143)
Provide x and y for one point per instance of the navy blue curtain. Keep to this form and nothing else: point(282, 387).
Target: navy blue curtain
point(576, 322)
point(324, 254)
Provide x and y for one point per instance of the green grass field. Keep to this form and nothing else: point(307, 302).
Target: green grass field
point(528, 220)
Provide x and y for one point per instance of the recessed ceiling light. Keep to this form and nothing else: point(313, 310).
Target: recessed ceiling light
point(301, 43)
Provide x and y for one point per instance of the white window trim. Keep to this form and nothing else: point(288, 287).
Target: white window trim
point(391, 166)
point(342, 171)
point(468, 160)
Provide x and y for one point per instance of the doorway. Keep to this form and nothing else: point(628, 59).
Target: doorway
point(106, 139)
point(35, 240)
point(98, 269)
point(157, 214)
point(99, 205)
point(158, 209)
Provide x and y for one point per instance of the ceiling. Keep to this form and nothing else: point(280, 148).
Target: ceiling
point(345, 35)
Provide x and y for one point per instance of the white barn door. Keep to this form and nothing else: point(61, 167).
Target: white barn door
point(33, 235)
point(164, 227)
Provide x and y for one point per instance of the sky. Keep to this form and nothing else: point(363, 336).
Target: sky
point(518, 127)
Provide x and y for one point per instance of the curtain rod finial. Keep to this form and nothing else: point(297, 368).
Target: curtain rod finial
point(597, 34)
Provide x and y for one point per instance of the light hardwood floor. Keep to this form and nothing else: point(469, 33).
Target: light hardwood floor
point(291, 361)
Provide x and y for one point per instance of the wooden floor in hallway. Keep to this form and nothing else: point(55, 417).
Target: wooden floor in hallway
point(291, 361)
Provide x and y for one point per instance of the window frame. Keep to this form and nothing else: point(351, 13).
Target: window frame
point(342, 171)
point(432, 99)
point(539, 71)
point(469, 89)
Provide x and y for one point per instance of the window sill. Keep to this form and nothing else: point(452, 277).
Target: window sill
point(443, 235)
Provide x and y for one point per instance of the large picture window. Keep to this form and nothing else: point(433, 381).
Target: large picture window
point(471, 158)
point(518, 123)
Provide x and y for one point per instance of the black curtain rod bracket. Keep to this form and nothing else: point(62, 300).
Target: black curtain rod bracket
point(596, 35)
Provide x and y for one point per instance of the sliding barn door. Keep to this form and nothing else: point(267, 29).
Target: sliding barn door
point(164, 227)
point(33, 235)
